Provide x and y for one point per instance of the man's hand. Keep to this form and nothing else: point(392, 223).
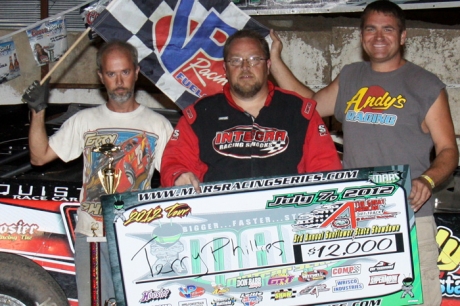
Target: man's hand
point(420, 193)
point(36, 95)
point(188, 178)
point(277, 45)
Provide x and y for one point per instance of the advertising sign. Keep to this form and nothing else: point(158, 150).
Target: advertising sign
point(48, 41)
point(286, 7)
point(313, 239)
point(180, 43)
point(9, 64)
point(448, 239)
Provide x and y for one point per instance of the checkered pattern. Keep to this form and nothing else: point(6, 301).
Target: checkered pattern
point(275, 146)
point(141, 22)
point(288, 293)
point(322, 213)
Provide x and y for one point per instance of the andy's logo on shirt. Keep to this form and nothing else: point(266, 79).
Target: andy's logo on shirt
point(197, 63)
point(368, 106)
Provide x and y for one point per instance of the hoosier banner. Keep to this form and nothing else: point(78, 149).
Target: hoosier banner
point(180, 42)
point(344, 238)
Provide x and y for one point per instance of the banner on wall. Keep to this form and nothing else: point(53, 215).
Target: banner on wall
point(286, 7)
point(90, 12)
point(9, 63)
point(314, 239)
point(448, 239)
point(180, 42)
point(48, 41)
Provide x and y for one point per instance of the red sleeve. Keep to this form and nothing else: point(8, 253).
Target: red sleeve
point(181, 155)
point(319, 152)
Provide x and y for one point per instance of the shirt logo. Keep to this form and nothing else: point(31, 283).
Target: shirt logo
point(235, 141)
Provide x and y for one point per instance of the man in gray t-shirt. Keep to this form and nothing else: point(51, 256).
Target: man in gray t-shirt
point(393, 112)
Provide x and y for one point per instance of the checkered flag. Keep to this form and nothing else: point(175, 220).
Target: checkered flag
point(180, 42)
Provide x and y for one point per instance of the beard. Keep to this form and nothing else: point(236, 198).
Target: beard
point(245, 91)
point(120, 98)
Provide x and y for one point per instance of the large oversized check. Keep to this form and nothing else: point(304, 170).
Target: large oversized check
point(333, 238)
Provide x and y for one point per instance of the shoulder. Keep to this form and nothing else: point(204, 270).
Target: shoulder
point(207, 104)
point(209, 101)
point(307, 106)
point(146, 111)
point(88, 113)
point(153, 121)
point(415, 69)
point(349, 68)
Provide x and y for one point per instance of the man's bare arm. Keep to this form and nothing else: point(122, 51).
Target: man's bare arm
point(326, 97)
point(40, 151)
point(283, 76)
point(438, 122)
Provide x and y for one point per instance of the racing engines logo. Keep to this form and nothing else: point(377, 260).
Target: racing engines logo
point(235, 141)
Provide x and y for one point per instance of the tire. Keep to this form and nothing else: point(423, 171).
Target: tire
point(129, 171)
point(28, 283)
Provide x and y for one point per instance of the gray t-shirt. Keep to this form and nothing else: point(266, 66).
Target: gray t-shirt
point(382, 113)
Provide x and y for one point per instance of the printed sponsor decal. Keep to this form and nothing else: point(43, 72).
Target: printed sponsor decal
point(155, 295)
point(233, 142)
point(346, 270)
point(349, 284)
point(385, 177)
point(199, 302)
point(255, 184)
point(383, 279)
point(177, 210)
point(382, 266)
point(224, 302)
point(252, 298)
point(344, 215)
point(18, 231)
point(191, 291)
point(377, 302)
point(39, 191)
point(313, 276)
point(280, 280)
point(369, 103)
point(283, 294)
point(314, 290)
point(219, 289)
point(250, 282)
point(322, 130)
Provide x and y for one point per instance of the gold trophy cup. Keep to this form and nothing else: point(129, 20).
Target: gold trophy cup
point(109, 177)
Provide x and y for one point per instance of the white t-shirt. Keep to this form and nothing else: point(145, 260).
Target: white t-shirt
point(141, 136)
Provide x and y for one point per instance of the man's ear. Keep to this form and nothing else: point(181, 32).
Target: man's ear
point(225, 68)
point(269, 64)
point(137, 71)
point(403, 38)
point(99, 73)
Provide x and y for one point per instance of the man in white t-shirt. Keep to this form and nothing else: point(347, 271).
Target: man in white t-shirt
point(136, 134)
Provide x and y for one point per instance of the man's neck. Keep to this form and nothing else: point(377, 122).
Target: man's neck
point(124, 107)
point(388, 66)
point(252, 105)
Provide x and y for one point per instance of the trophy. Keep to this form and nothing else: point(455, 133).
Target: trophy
point(109, 177)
